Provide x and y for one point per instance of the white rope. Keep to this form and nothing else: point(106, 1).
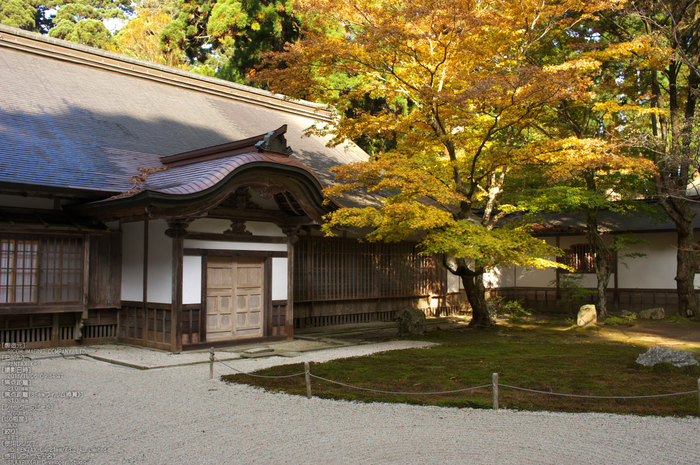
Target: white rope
point(598, 397)
point(257, 376)
point(402, 393)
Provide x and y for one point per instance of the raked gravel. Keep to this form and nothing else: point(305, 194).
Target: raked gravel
point(177, 415)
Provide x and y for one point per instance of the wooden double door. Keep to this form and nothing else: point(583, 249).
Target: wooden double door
point(235, 297)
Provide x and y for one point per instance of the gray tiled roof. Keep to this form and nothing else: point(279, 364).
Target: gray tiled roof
point(203, 175)
point(609, 222)
point(72, 116)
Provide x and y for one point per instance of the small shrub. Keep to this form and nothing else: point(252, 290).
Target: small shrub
point(513, 309)
point(676, 318)
point(620, 321)
point(571, 291)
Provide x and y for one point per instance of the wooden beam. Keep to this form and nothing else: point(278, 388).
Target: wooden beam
point(201, 236)
point(32, 309)
point(248, 214)
point(233, 253)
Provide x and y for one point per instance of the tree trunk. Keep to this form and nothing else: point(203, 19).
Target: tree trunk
point(602, 254)
point(685, 272)
point(476, 295)
point(603, 276)
point(473, 281)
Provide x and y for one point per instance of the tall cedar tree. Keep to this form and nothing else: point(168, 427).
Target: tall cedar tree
point(79, 21)
point(226, 38)
point(474, 92)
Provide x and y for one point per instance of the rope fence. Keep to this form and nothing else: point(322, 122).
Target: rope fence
point(494, 386)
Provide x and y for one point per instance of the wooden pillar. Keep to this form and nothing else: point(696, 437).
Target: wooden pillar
point(558, 274)
point(177, 231)
point(267, 297)
point(86, 276)
point(203, 305)
point(616, 295)
point(144, 305)
point(292, 239)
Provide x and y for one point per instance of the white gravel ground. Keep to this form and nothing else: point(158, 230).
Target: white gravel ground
point(176, 415)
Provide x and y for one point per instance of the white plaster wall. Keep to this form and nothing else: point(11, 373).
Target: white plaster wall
point(195, 244)
point(113, 225)
point(19, 201)
point(657, 269)
point(501, 276)
point(192, 280)
point(160, 263)
point(264, 229)
point(532, 277)
point(518, 276)
point(218, 226)
point(454, 284)
point(132, 261)
point(279, 278)
point(209, 225)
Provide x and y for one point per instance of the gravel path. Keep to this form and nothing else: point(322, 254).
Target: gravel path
point(176, 415)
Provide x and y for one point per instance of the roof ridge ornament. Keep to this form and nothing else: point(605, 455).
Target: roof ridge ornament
point(275, 141)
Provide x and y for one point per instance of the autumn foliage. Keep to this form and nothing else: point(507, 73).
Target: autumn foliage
point(467, 87)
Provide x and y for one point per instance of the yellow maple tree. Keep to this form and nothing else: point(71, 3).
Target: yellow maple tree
point(463, 83)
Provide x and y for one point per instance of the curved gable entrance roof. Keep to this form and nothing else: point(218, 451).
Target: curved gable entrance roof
point(193, 184)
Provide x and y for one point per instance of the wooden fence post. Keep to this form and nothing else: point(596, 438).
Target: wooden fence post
point(494, 382)
point(211, 363)
point(308, 379)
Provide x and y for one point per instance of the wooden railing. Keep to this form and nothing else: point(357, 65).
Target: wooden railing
point(191, 324)
point(152, 329)
point(620, 299)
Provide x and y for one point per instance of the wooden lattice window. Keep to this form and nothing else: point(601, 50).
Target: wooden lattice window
point(19, 270)
point(580, 258)
point(41, 269)
point(334, 268)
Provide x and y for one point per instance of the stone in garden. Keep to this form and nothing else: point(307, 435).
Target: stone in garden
point(410, 321)
point(658, 354)
point(652, 314)
point(627, 313)
point(587, 316)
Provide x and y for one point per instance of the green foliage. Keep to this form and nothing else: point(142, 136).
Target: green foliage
point(18, 13)
point(79, 21)
point(621, 321)
point(623, 241)
point(571, 291)
point(227, 38)
point(512, 308)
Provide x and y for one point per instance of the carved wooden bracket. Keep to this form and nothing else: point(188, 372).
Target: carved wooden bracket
point(238, 228)
point(291, 233)
point(267, 192)
point(240, 199)
point(177, 229)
